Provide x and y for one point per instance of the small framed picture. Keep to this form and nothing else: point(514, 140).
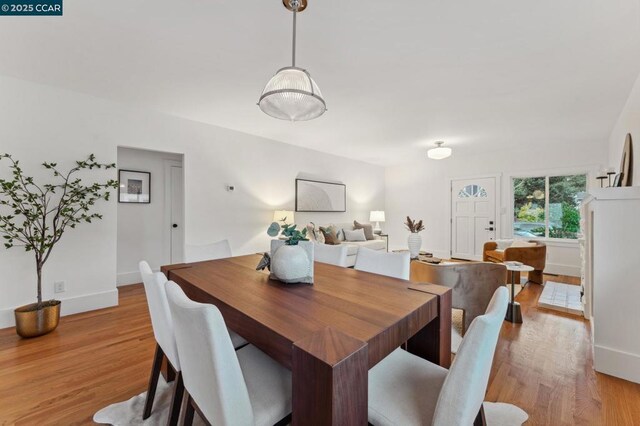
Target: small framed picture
point(617, 181)
point(134, 187)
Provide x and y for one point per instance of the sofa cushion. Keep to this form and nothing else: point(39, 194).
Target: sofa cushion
point(330, 235)
point(355, 235)
point(368, 229)
point(371, 244)
point(523, 243)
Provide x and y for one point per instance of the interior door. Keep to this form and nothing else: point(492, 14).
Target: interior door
point(176, 212)
point(473, 216)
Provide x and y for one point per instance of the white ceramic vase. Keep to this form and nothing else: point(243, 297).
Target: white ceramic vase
point(292, 264)
point(415, 244)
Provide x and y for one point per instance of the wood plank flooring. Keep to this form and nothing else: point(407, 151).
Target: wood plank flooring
point(94, 359)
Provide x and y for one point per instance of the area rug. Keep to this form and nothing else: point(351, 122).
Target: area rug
point(561, 297)
point(129, 413)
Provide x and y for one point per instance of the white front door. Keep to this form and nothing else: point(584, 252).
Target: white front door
point(473, 216)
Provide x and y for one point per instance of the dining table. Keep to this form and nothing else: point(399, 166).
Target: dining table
point(330, 333)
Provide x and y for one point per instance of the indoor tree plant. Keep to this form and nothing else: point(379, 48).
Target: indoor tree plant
point(37, 215)
point(415, 240)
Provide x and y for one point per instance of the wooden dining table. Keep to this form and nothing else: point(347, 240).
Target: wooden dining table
point(328, 334)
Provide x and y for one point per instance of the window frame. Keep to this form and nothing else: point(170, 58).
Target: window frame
point(546, 175)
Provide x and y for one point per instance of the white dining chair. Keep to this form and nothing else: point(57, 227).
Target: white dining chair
point(332, 254)
point(380, 262)
point(162, 324)
point(407, 390)
point(224, 386)
point(199, 253)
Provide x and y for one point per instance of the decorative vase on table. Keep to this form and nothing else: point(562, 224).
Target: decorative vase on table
point(415, 240)
point(292, 263)
point(415, 244)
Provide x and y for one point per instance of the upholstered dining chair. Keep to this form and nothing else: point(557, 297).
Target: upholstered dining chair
point(224, 386)
point(332, 254)
point(162, 325)
point(407, 390)
point(380, 262)
point(198, 253)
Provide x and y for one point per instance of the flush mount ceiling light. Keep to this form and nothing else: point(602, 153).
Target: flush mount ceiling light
point(292, 94)
point(439, 152)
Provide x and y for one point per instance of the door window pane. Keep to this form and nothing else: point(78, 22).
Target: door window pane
point(529, 207)
point(472, 191)
point(565, 194)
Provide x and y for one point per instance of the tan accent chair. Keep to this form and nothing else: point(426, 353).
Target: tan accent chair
point(533, 256)
point(473, 283)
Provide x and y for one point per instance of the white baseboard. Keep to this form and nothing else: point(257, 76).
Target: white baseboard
point(71, 305)
point(560, 269)
point(617, 363)
point(127, 278)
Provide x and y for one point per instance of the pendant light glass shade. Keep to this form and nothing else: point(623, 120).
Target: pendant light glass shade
point(292, 95)
point(439, 153)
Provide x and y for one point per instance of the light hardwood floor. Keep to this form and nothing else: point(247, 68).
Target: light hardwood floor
point(97, 358)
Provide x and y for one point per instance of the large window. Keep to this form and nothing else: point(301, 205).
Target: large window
point(548, 206)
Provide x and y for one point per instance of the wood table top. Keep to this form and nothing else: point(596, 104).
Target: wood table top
point(363, 307)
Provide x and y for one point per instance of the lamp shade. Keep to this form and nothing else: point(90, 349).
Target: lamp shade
point(376, 216)
point(292, 95)
point(440, 152)
point(284, 217)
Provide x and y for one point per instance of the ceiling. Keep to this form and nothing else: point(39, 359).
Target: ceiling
point(397, 75)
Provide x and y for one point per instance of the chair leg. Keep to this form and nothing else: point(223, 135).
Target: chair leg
point(176, 401)
point(168, 372)
point(153, 381)
point(189, 410)
point(480, 419)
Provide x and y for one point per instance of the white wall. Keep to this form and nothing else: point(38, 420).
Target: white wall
point(43, 123)
point(628, 122)
point(422, 191)
point(142, 229)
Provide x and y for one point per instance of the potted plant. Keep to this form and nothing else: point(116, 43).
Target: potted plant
point(415, 240)
point(36, 216)
point(291, 257)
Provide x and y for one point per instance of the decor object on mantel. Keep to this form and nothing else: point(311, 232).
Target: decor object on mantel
point(439, 152)
point(36, 216)
point(291, 259)
point(377, 216)
point(292, 94)
point(415, 240)
point(626, 164)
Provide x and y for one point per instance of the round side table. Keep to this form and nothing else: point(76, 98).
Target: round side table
point(514, 313)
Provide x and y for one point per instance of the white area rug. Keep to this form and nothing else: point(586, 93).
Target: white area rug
point(561, 297)
point(129, 413)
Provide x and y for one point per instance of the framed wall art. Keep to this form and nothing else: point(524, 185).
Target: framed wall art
point(318, 196)
point(134, 187)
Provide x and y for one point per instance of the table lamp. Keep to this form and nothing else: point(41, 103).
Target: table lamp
point(376, 216)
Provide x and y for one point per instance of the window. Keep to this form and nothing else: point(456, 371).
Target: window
point(548, 206)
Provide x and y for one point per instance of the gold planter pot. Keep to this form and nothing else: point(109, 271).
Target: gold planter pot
point(32, 322)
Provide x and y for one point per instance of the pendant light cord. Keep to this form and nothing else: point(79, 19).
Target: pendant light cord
point(294, 6)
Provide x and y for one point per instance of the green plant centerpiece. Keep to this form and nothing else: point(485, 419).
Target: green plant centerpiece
point(36, 216)
point(414, 241)
point(291, 258)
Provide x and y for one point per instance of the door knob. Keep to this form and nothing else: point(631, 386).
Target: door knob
point(175, 225)
point(489, 229)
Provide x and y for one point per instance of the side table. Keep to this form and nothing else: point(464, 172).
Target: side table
point(514, 314)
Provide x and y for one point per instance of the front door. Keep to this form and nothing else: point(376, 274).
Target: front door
point(473, 216)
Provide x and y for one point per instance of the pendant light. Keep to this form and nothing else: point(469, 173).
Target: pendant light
point(439, 152)
point(292, 94)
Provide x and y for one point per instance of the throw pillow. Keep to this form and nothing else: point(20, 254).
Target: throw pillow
point(355, 235)
point(523, 243)
point(330, 235)
point(368, 229)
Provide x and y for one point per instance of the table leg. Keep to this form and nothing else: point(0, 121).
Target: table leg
point(514, 313)
point(433, 342)
point(330, 379)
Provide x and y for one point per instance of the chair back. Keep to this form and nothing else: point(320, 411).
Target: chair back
point(161, 320)
point(380, 262)
point(464, 388)
point(217, 250)
point(332, 254)
point(210, 367)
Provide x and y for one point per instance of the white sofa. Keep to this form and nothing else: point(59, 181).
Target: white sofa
point(353, 246)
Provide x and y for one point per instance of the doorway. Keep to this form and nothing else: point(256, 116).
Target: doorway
point(473, 216)
point(146, 231)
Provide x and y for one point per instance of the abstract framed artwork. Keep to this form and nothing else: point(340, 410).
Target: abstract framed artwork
point(318, 196)
point(134, 187)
